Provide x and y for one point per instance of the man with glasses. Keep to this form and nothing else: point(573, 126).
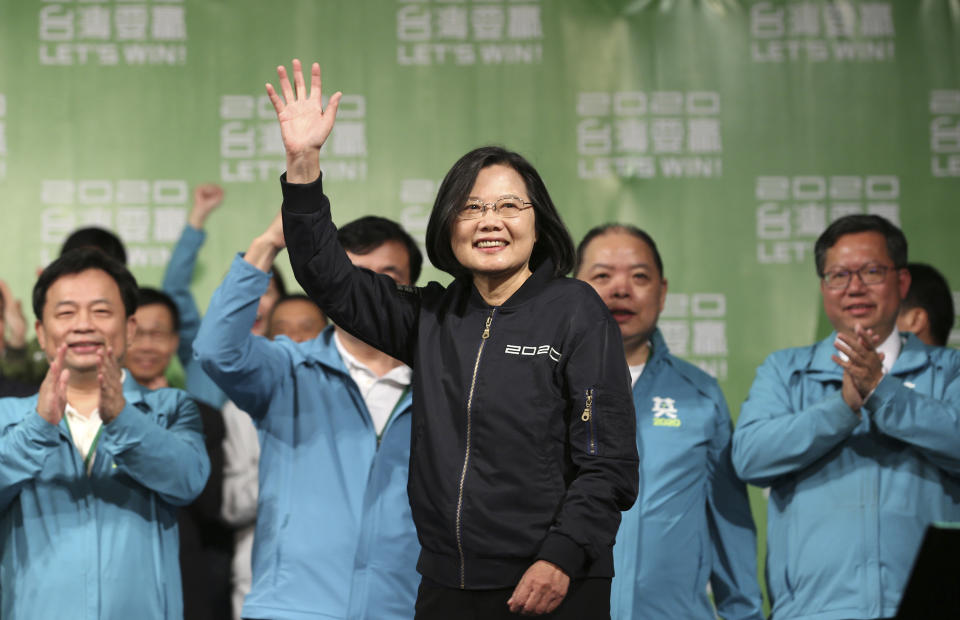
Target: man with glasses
point(156, 339)
point(857, 436)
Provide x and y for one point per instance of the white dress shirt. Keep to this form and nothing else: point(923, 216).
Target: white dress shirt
point(381, 394)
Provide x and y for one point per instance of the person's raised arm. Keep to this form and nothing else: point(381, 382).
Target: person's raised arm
point(247, 367)
point(206, 198)
point(372, 307)
point(264, 248)
point(183, 261)
point(304, 124)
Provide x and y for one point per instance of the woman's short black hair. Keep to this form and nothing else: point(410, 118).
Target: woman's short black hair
point(147, 296)
point(77, 261)
point(553, 239)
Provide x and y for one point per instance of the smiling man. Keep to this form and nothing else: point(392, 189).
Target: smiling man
point(692, 524)
point(155, 340)
point(91, 472)
point(857, 436)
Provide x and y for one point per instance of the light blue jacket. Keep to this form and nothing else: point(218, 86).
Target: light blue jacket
point(693, 523)
point(103, 546)
point(176, 284)
point(850, 497)
point(334, 534)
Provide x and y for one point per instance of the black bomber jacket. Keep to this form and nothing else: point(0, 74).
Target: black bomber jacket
point(524, 441)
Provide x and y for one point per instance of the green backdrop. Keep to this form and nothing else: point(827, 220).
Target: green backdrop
point(733, 131)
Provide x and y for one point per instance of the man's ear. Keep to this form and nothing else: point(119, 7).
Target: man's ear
point(663, 295)
point(41, 335)
point(903, 281)
point(913, 320)
point(131, 332)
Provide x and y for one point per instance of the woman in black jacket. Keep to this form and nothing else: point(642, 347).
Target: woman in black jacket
point(523, 450)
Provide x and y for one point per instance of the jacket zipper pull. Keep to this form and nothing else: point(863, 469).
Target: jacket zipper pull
point(588, 409)
point(486, 328)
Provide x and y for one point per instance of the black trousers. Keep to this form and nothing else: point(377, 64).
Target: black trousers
point(586, 599)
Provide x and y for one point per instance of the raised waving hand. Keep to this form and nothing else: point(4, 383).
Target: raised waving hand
point(304, 124)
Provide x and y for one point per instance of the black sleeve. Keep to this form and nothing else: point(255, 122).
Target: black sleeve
point(370, 306)
point(603, 448)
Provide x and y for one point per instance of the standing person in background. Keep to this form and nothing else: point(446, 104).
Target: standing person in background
point(692, 525)
point(10, 387)
point(298, 318)
point(176, 283)
point(206, 545)
point(857, 436)
point(92, 472)
point(523, 450)
point(334, 534)
point(927, 310)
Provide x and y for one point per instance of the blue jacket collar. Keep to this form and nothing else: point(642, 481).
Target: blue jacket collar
point(321, 350)
point(659, 351)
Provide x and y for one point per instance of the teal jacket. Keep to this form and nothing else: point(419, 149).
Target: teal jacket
point(692, 524)
point(334, 535)
point(103, 546)
point(176, 284)
point(850, 496)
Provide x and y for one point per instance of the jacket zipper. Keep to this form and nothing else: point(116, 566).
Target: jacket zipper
point(587, 417)
point(466, 455)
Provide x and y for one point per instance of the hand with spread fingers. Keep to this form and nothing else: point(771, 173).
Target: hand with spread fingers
point(304, 124)
point(862, 365)
point(52, 399)
point(110, 377)
point(540, 591)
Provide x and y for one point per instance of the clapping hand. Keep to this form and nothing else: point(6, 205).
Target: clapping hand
point(862, 366)
point(52, 399)
point(110, 377)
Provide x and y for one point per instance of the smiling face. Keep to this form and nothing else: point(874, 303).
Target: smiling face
point(492, 245)
point(873, 306)
point(153, 344)
point(85, 311)
point(622, 269)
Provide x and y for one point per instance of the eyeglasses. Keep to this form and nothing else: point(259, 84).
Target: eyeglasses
point(870, 273)
point(152, 335)
point(505, 206)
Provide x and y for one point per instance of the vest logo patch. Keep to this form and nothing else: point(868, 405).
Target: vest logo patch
point(529, 351)
point(665, 412)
